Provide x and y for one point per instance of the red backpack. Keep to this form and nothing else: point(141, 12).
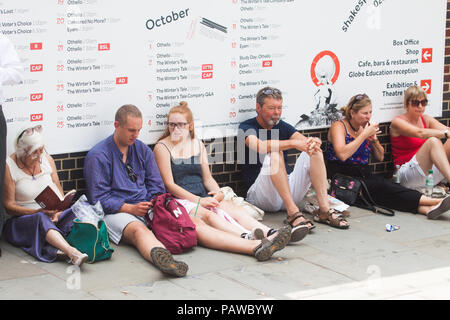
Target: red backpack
point(171, 224)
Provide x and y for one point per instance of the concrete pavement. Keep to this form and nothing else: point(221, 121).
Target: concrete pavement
point(364, 262)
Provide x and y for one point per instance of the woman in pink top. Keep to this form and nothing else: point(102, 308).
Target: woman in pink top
point(416, 144)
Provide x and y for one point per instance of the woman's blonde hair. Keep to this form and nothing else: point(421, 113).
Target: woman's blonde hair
point(183, 109)
point(356, 103)
point(413, 92)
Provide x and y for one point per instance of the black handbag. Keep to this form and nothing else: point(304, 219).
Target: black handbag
point(354, 192)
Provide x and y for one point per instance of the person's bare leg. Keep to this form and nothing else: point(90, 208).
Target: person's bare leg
point(138, 235)
point(279, 178)
point(54, 238)
point(318, 175)
point(447, 149)
point(216, 221)
point(242, 217)
point(210, 237)
point(427, 201)
point(220, 240)
point(433, 152)
point(427, 204)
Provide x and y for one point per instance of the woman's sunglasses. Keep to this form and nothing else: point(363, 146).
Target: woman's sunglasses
point(415, 102)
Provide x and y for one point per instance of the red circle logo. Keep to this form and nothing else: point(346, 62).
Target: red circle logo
point(320, 56)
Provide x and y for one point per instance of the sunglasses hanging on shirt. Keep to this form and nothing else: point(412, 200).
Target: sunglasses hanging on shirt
point(131, 174)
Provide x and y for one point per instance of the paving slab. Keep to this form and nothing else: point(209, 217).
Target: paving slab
point(15, 267)
point(42, 287)
point(158, 290)
point(328, 264)
point(429, 284)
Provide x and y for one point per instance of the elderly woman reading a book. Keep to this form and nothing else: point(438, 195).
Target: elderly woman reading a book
point(39, 232)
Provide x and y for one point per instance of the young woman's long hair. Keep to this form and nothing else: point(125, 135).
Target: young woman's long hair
point(183, 109)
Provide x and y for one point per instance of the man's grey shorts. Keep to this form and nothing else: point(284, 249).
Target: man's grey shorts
point(117, 222)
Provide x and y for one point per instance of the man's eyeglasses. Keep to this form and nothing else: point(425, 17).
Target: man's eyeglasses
point(415, 102)
point(29, 131)
point(181, 125)
point(130, 171)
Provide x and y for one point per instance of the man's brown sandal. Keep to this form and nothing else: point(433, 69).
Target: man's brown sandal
point(327, 218)
point(298, 215)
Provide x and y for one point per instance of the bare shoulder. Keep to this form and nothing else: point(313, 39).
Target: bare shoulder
point(428, 119)
point(398, 120)
point(337, 129)
point(50, 159)
point(161, 145)
point(337, 126)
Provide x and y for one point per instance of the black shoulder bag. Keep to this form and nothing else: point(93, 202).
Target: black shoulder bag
point(354, 192)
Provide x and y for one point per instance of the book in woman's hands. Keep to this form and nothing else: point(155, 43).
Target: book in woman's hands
point(50, 200)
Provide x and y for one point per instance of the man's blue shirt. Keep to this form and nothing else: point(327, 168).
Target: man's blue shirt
point(107, 178)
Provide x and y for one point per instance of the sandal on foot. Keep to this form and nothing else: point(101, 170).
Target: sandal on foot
point(327, 218)
point(442, 207)
point(78, 259)
point(267, 248)
point(163, 259)
point(306, 222)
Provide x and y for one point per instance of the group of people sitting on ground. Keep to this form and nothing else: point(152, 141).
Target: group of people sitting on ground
point(124, 174)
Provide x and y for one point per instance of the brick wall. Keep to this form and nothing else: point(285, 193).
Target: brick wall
point(70, 166)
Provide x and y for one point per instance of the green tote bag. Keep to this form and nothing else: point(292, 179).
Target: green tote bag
point(90, 239)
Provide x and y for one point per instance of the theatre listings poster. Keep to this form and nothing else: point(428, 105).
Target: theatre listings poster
point(85, 58)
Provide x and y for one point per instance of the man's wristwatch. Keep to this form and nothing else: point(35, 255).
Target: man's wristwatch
point(446, 133)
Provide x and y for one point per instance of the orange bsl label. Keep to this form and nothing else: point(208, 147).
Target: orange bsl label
point(104, 46)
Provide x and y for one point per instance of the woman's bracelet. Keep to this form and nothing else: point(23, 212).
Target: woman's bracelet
point(198, 204)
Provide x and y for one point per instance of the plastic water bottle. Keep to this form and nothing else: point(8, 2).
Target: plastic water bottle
point(390, 227)
point(396, 177)
point(429, 184)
